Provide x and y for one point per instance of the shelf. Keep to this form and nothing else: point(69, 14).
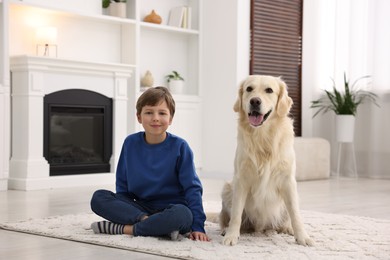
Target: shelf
point(180, 97)
point(71, 13)
point(108, 18)
point(167, 28)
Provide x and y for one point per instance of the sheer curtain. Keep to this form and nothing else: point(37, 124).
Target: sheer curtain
point(372, 138)
point(360, 45)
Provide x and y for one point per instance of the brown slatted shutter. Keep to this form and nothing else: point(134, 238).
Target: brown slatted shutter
point(276, 46)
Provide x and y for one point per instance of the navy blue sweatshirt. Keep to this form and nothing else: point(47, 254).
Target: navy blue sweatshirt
point(161, 174)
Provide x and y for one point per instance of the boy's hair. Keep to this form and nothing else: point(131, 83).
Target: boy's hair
point(153, 97)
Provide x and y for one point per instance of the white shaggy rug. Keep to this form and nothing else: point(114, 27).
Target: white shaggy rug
point(336, 237)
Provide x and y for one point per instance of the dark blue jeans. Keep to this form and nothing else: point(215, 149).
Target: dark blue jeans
point(122, 209)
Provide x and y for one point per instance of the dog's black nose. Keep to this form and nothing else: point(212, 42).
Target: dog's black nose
point(255, 102)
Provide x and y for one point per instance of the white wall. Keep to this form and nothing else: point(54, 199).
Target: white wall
point(225, 64)
point(4, 107)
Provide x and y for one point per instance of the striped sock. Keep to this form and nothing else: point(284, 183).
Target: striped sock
point(176, 236)
point(106, 227)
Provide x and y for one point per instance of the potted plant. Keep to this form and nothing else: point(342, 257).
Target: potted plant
point(115, 7)
point(344, 104)
point(175, 82)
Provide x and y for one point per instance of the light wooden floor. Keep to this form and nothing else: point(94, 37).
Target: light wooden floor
point(362, 197)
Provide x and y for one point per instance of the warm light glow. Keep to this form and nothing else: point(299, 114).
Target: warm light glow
point(46, 35)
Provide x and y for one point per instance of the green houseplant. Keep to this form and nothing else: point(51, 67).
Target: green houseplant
point(174, 76)
point(175, 82)
point(343, 102)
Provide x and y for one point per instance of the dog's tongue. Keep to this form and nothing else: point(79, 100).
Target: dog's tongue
point(256, 120)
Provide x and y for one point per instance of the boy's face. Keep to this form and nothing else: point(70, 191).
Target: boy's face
point(155, 120)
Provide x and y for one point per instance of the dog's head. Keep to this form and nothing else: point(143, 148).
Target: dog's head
point(261, 98)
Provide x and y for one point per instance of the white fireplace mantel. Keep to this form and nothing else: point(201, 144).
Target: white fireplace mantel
point(34, 77)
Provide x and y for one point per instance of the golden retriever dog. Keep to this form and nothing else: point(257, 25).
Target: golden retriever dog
point(263, 194)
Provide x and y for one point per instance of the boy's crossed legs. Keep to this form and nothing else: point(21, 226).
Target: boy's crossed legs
point(127, 216)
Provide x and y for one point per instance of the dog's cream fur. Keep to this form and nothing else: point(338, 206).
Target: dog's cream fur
point(263, 193)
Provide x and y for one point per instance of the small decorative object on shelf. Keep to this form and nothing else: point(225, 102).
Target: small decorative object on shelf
point(180, 16)
point(46, 39)
point(115, 7)
point(175, 82)
point(153, 17)
point(147, 81)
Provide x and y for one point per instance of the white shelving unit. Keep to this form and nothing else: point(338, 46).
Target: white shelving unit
point(85, 33)
point(161, 49)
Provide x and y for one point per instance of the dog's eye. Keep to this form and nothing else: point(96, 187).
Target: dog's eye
point(249, 89)
point(269, 90)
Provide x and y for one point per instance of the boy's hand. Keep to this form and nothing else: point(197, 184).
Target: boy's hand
point(199, 236)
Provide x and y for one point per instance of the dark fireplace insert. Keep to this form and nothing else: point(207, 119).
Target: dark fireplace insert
point(77, 132)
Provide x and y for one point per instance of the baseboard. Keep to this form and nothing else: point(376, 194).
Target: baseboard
point(61, 181)
point(3, 184)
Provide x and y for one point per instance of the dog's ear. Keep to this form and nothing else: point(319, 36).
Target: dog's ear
point(284, 101)
point(237, 105)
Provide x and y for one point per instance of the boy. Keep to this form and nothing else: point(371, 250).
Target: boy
point(157, 190)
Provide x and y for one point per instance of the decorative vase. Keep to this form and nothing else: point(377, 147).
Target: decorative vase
point(176, 86)
point(147, 80)
point(117, 9)
point(153, 18)
point(345, 128)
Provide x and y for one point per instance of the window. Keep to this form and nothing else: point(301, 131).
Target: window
point(276, 46)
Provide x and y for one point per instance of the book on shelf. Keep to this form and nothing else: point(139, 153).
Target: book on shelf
point(180, 16)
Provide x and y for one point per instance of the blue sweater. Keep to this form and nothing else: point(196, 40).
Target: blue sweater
point(161, 174)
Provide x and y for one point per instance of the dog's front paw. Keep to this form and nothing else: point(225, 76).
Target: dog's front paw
point(304, 240)
point(230, 239)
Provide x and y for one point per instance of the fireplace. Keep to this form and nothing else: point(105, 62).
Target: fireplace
point(69, 120)
point(77, 132)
